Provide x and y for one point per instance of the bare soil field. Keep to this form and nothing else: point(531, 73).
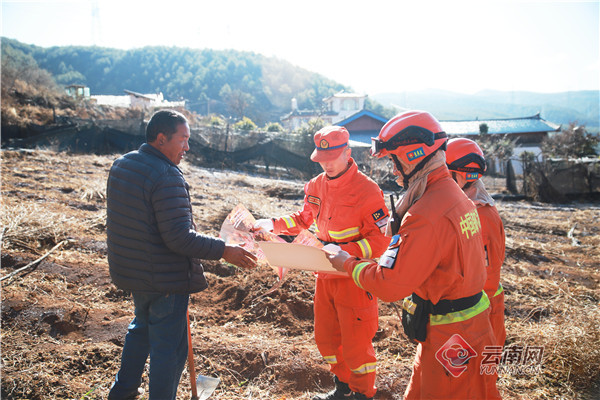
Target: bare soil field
point(64, 322)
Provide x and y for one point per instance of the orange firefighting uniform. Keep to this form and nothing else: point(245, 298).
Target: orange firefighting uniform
point(492, 230)
point(349, 211)
point(438, 254)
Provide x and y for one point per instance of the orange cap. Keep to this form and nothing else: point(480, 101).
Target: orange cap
point(330, 142)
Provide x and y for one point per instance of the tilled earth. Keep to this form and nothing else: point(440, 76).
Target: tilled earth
point(64, 322)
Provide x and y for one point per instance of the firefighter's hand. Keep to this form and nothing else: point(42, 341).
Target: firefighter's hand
point(265, 224)
point(239, 256)
point(338, 259)
point(332, 248)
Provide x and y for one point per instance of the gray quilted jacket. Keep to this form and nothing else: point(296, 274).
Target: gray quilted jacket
point(150, 232)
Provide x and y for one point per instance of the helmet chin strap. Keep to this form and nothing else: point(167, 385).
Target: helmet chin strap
point(455, 178)
point(398, 166)
point(418, 167)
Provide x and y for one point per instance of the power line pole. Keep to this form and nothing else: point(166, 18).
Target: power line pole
point(95, 23)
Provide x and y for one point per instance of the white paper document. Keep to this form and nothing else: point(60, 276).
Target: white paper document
point(297, 256)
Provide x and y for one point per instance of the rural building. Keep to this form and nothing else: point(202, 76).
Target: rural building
point(296, 118)
point(344, 104)
point(136, 100)
point(362, 126)
point(335, 108)
point(78, 91)
point(526, 132)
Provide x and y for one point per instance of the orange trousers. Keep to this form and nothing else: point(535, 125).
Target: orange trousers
point(497, 317)
point(432, 380)
point(346, 320)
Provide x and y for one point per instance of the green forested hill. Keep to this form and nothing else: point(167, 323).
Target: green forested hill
point(237, 84)
point(206, 79)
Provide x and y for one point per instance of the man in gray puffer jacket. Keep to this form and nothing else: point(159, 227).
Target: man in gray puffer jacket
point(152, 250)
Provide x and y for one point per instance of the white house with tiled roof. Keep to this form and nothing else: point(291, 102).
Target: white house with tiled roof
point(136, 100)
point(527, 132)
point(344, 104)
point(335, 108)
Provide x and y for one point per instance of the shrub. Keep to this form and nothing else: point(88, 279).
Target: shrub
point(245, 124)
point(274, 127)
point(216, 121)
point(572, 142)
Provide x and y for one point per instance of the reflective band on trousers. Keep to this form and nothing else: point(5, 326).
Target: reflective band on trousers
point(458, 316)
point(500, 290)
point(356, 273)
point(330, 359)
point(365, 247)
point(364, 369)
point(289, 222)
point(345, 234)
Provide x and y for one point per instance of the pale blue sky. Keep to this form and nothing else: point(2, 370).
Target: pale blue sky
point(375, 46)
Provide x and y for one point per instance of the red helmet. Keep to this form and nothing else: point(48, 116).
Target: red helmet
point(411, 136)
point(465, 157)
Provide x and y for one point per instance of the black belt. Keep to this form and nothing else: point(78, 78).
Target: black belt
point(448, 306)
point(326, 242)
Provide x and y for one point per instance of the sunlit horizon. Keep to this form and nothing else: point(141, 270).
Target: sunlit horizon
point(462, 47)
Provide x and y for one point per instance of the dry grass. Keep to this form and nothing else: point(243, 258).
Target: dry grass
point(63, 324)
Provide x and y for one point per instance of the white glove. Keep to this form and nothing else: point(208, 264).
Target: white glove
point(332, 248)
point(265, 224)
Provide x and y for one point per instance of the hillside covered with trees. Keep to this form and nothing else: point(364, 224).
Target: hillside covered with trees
point(210, 81)
point(244, 84)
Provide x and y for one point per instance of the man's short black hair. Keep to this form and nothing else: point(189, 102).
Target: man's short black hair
point(164, 121)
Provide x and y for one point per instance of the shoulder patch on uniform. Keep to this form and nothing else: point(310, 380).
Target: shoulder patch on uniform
point(388, 259)
point(382, 224)
point(395, 242)
point(314, 200)
point(377, 215)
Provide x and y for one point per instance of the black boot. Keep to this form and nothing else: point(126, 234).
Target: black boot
point(341, 392)
point(360, 396)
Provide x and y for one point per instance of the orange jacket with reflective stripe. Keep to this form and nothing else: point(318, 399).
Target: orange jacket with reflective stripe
point(349, 211)
point(494, 242)
point(437, 253)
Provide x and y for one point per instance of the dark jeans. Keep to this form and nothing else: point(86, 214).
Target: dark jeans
point(159, 329)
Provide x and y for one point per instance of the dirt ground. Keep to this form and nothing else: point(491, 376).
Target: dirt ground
point(63, 321)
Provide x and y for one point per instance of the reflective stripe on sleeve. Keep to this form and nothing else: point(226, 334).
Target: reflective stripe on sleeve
point(463, 315)
point(289, 222)
point(500, 290)
point(365, 247)
point(365, 369)
point(330, 359)
point(356, 273)
point(344, 234)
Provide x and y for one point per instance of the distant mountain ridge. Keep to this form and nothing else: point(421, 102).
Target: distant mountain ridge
point(234, 83)
point(563, 108)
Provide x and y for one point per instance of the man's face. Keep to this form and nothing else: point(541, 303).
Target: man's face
point(335, 167)
point(174, 148)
